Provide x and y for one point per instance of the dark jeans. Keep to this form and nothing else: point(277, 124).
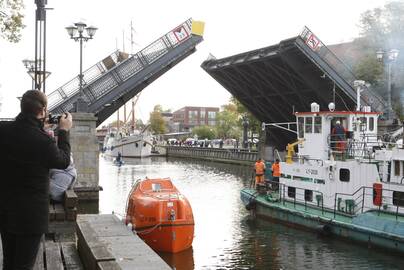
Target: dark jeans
point(275, 186)
point(19, 250)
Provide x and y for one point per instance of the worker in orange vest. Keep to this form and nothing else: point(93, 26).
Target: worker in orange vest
point(276, 173)
point(259, 172)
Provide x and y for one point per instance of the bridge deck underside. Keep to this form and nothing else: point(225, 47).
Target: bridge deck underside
point(274, 82)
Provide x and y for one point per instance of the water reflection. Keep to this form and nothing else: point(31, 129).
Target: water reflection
point(226, 237)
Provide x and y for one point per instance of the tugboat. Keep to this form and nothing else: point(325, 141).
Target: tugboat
point(160, 215)
point(349, 185)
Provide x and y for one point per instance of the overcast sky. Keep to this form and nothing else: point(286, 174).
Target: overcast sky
point(232, 26)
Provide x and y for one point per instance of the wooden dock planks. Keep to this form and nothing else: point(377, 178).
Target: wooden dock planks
point(126, 249)
point(54, 256)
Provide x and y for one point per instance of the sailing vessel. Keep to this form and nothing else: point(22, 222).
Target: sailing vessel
point(350, 186)
point(126, 140)
point(160, 215)
point(138, 144)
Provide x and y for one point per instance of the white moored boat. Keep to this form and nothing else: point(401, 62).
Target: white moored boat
point(350, 185)
point(138, 144)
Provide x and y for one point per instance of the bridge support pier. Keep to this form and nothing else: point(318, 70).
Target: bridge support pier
point(85, 151)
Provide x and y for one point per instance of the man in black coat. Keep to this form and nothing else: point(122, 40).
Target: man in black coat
point(27, 154)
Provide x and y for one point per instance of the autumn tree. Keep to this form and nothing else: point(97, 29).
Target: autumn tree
point(11, 19)
point(115, 123)
point(156, 120)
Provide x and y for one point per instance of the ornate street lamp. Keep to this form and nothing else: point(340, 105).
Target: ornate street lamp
point(38, 75)
point(388, 57)
point(76, 32)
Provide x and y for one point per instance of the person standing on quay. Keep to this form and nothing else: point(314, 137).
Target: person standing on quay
point(27, 154)
point(259, 172)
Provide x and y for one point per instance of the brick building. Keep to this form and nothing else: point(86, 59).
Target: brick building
point(188, 117)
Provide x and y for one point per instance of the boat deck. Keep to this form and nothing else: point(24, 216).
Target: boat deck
point(326, 213)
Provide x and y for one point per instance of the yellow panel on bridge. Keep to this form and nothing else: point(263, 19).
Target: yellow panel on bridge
point(198, 28)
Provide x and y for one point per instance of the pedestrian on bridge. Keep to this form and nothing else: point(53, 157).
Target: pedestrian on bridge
point(27, 154)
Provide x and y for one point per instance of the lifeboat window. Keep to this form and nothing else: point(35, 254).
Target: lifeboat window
point(156, 187)
point(396, 167)
point(371, 123)
point(308, 195)
point(317, 124)
point(309, 125)
point(344, 175)
point(291, 192)
point(300, 127)
point(398, 198)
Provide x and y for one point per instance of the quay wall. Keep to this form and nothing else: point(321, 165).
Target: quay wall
point(232, 156)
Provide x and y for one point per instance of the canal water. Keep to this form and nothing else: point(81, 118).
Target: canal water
point(226, 237)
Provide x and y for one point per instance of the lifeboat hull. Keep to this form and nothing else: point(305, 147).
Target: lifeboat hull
point(160, 215)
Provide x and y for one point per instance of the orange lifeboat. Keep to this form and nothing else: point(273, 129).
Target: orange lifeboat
point(160, 215)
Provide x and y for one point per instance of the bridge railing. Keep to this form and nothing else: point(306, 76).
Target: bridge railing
point(212, 153)
point(318, 47)
point(116, 68)
point(71, 88)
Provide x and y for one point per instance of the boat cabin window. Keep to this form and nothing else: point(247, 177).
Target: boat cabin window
point(344, 175)
point(353, 124)
point(398, 198)
point(309, 125)
point(371, 123)
point(291, 192)
point(363, 123)
point(396, 167)
point(300, 124)
point(317, 124)
point(308, 195)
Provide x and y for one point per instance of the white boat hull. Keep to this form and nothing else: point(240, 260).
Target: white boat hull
point(131, 146)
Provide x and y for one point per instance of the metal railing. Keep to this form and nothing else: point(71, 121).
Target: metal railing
point(355, 202)
point(72, 87)
point(319, 48)
point(345, 148)
point(313, 199)
point(116, 68)
point(212, 153)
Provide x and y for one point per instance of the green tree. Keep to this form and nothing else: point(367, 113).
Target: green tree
point(204, 132)
point(227, 122)
point(369, 69)
point(382, 29)
point(254, 123)
point(11, 19)
point(156, 120)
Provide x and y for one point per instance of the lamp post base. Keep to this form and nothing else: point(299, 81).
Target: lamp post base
point(80, 105)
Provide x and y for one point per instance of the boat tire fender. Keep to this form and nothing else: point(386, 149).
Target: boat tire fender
point(324, 229)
